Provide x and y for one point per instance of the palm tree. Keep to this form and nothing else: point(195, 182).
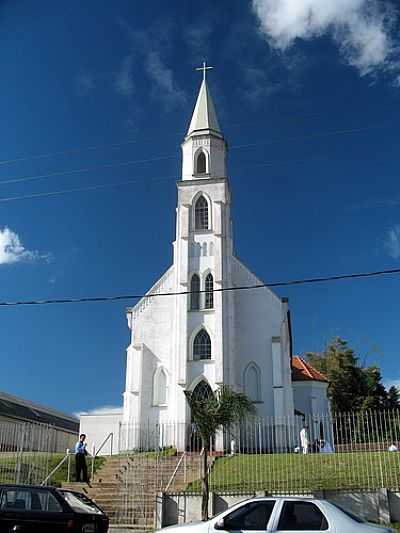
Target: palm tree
point(218, 410)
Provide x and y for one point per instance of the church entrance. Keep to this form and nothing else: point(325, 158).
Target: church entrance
point(202, 391)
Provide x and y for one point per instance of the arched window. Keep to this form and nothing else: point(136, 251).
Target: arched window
point(201, 214)
point(195, 292)
point(252, 382)
point(201, 163)
point(160, 387)
point(209, 294)
point(202, 346)
point(202, 390)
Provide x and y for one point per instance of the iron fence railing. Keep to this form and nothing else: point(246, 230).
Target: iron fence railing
point(29, 451)
point(343, 451)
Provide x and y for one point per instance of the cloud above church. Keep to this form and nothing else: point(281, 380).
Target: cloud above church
point(362, 29)
point(124, 83)
point(392, 242)
point(13, 251)
point(151, 47)
point(105, 410)
point(163, 79)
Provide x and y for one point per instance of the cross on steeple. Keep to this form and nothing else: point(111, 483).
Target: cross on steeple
point(204, 68)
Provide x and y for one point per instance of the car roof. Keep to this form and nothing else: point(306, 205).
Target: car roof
point(272, 497)
point(21, 486)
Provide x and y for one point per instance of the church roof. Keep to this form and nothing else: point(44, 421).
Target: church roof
point(15, 408)
point(204, 116)
point(304, 371)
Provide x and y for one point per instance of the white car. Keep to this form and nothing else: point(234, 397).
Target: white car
point(283, 514)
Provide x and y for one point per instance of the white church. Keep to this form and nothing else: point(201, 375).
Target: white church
point(206, 337)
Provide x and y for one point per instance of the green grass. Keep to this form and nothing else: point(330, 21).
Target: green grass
point(36, 466)
point(153, 454)
point(292, 472)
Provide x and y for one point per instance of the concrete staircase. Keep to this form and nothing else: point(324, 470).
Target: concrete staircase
point(126, 486)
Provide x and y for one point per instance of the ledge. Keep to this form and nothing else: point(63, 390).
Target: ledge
point(207, 361)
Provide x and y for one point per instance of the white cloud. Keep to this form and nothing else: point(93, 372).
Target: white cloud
point(163, 79)
point(124, 83)
point(198, 38)
point(362, 29)
point(12, 249)
point(392, 242)
point(392, 383)
point(105, 410)
point(86, 83)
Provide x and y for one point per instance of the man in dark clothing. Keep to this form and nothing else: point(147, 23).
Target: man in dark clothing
point(80, 459)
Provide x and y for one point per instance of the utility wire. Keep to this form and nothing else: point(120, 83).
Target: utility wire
point(99, 299)
point(87, 148)
point(85, 169)
point(59, 173)
point(83, 189)
point(138, 180)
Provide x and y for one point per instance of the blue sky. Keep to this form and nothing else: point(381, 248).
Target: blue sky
point(308, 98)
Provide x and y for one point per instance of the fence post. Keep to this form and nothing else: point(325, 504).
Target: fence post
point(93, 459)
point(69, 466)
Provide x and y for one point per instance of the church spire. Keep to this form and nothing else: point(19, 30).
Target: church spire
point(204, 147)
point(204, 118)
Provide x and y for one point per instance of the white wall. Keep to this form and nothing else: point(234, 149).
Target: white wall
point(311, 397)
point(258, 319)
point(98, 427)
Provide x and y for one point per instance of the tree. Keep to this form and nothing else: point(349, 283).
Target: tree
point(340, 365)
point(393, 398)
point(219, 410)
point(351, 386)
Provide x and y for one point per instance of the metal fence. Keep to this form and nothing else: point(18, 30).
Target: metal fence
point(29, 451)
point(348, 450)
point(298, 454)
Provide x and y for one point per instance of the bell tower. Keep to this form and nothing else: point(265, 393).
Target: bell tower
point(204, 147)
point(202, 256)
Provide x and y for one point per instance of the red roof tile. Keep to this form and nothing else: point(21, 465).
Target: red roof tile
point(303, 371)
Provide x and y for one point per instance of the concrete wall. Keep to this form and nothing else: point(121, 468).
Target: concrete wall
point(380, 506)
point(98, 427)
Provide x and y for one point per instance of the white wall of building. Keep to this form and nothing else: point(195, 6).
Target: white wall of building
point(98, 427)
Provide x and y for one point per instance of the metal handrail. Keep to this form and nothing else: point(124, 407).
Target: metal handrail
point(96, 453)
point(66, 456)
point(175, 472)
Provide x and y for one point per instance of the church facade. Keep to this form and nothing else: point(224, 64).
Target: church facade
point(200, 336)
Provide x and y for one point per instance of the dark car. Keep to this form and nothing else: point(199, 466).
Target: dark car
point(31, 509)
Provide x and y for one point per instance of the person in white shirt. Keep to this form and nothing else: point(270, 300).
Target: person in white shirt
point(304, 440)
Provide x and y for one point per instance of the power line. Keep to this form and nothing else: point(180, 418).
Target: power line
point(82, 189)
point(79, 149)
point(100, 299)
point(59, 173)
point(85, 169)
point(138, 180)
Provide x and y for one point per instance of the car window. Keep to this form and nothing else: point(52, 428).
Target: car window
point(29, 500)
point(301, 516)
point(351, 515)
point(79, 503)
point(253, 516)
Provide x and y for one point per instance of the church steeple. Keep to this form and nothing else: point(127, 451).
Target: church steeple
point(204, 118)
point(204, 147)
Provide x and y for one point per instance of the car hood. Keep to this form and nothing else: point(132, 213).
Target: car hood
point(189, 525)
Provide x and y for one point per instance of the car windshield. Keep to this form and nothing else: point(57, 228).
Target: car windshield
point(79, 503)
point(351, 515)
